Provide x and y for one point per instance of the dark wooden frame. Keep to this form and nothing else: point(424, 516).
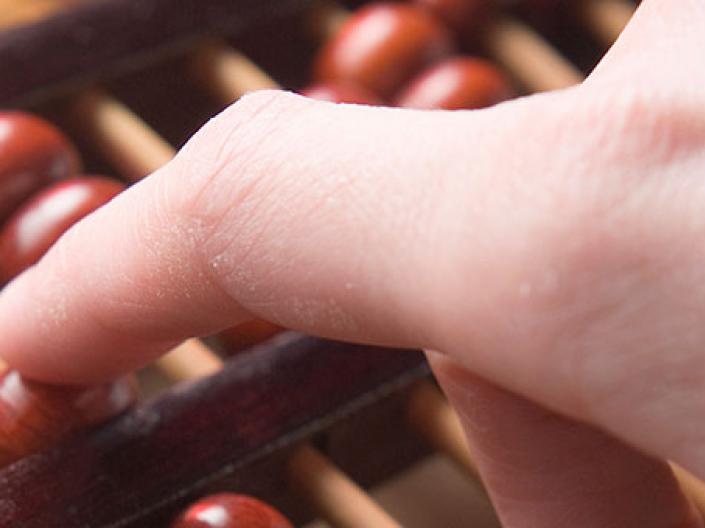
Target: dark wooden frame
point(103, 38)
point(230, 431)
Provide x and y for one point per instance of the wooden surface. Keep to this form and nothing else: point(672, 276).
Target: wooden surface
point(142, 465)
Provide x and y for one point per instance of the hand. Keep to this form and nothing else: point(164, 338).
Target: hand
point(550, 248)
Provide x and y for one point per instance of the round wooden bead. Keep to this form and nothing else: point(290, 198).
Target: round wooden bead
point(33, 154)
point(461, 15)
point(248, 334)
point(382, 46)
point(228, 510)
point(33, 416)
point(457, 83)
point(341, 92)
point(38, 224)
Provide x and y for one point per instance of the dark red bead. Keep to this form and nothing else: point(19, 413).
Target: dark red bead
point(33, 154)
point(382, 46)
point(33, 416)
point(457, 83)
point(341, 92)
point(228, 510)
point(37, 225)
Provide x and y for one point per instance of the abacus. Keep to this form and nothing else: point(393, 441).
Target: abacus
point(302, 423)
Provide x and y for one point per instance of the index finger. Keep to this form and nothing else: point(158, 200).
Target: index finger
point(244, 221)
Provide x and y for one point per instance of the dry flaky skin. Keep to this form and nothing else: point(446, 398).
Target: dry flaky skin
point(33, 416)
point(33, 154)
point(228, 510)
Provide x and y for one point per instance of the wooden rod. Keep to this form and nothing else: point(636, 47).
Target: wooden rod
point(430, 415)
point(607, 18)
point(192, 359)
point(532, 60)
point(227, 73)
point(692, 486)
point(15, 13)
point(122, 137)
point(333, 495)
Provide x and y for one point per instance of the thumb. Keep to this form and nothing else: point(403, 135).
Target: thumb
point(336, 220)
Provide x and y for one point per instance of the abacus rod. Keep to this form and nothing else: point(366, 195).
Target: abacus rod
point(227, 73)
point(532, 60)
point(121, 137)
point(334, 496)
point(430, 415)
point(693, 486)
point(607, 18)
point(192, 359)
point(16, 13)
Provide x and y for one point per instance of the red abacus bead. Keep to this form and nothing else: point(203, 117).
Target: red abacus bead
point(228, 510)
point(340, 92)
point(382, 46)
point(33, 154)
point(248, 334)
point(33, 416)
point(38, 224)
point(461, 15)
point(457, 83)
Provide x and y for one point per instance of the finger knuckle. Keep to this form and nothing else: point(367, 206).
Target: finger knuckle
point(234, 182)
point(224, 174)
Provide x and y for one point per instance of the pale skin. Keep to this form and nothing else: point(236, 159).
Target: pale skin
point(551, 249)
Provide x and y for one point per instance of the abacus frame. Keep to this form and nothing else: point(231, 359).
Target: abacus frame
point(121, 476)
